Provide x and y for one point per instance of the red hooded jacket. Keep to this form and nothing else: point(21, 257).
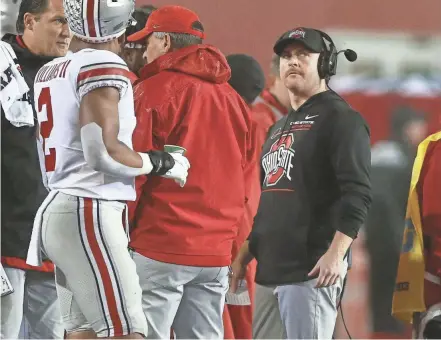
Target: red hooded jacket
point(183, 98)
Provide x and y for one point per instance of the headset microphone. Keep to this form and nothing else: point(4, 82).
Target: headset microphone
point(327, 65)
point(350, 55)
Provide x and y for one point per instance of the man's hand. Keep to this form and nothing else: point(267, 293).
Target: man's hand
point(237, 273)
point(179, 172)
point(239, 266)
point(331, 264)
point(329, 269)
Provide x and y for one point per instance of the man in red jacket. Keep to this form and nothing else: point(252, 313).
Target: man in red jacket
point(273, 102)
point(268, 108)
point(182, 237)
point(248, 79)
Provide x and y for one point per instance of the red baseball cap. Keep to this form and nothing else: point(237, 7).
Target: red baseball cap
point(170, 19)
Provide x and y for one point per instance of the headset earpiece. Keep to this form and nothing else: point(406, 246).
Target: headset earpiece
point(327, 63)
point(322, 62)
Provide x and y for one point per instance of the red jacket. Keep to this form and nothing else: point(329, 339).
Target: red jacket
point(238, 319)
point(266, 111)
point(183, 98)
point(429, 193)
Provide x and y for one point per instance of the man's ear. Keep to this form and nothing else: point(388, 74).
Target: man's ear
point(167, 43)
point(29, 20)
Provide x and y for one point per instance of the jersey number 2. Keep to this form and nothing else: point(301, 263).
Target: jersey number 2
point(44, 99)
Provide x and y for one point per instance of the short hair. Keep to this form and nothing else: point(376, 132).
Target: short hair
point(180, 40)
point(275, 65)
point(29, 6)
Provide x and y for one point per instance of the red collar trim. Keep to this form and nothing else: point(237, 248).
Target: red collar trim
point(20, 41)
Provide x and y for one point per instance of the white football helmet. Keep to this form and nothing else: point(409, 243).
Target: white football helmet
point(98, 21)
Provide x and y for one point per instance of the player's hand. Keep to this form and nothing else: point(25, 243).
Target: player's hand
point(237, 273)
point(329, 269)
point(179, 172)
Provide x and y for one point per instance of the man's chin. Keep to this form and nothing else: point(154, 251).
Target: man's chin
point(293, 84)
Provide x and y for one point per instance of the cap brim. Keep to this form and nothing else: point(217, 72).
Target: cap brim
point(281, 44)
point(140, 35)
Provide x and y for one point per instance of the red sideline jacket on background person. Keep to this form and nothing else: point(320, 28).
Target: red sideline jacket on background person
point(194, 225)
point(417, 295)
point(266, 111)
point(271, 105)
point(238, 320)
point(248, 79)
point(429, 194)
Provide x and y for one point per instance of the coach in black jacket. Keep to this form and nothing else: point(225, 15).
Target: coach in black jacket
point(45, 35)
point(315, 168)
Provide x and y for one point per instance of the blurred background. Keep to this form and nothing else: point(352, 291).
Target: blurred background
point(395, 84)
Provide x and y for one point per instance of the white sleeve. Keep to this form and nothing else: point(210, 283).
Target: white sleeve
point(102, 69)
point(97, 157)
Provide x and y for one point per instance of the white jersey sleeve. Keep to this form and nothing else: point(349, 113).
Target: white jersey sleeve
point(102, 69)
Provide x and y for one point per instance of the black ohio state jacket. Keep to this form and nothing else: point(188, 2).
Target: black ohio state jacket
point(315, 167)
point(22, 189)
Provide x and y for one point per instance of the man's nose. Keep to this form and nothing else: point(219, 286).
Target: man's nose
point(293, 61)
point(65, 32)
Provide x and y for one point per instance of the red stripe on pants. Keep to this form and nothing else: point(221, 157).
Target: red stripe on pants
point(102, 267)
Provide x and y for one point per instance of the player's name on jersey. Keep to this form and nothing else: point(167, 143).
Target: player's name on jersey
point(6, 77)
point(52, 71)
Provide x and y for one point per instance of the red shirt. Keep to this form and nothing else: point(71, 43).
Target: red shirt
point(183, 98)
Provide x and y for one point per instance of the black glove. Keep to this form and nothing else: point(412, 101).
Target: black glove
point(161, 161)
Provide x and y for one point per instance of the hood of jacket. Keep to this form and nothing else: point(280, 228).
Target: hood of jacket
point(202, 61)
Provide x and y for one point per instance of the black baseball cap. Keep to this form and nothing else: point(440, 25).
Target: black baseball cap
point(247, 76)
point(309, 37)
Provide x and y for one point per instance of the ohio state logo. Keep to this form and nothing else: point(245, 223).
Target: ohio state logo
point(278, 161)
point(297, 33)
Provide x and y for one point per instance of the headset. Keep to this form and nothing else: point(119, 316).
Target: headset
point(327, 63)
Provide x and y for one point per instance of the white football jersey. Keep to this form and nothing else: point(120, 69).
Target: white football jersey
point(59, 87)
